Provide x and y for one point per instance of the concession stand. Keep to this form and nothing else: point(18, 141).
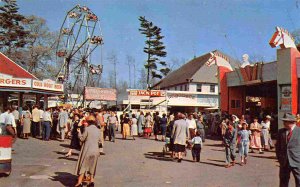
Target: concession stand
point(21, 88)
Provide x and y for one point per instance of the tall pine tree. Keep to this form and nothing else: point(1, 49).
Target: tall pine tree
point(12, 33)
point(155, 49)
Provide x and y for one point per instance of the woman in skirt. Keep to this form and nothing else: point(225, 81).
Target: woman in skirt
point(148, 125)
point(75, 142)
point(26, 116)
point(134, 128)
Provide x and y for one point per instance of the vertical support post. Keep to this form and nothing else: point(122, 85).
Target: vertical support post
point(38, 98)
point(219, 91)
point(45, 101)
point(83, 97)
point(5, 99)
point(20, 103)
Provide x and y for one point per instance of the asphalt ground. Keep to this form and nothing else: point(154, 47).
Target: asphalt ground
point(139, 162)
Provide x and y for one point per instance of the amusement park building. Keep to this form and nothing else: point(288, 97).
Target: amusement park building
point(192, 87)
point(19, 87)
point(274, 84)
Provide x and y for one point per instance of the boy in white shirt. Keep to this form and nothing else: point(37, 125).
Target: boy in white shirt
point(197, 146)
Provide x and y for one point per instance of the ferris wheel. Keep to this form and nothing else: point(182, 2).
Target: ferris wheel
point(79, 36)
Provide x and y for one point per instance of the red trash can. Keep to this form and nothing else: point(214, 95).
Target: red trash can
point(5, 154)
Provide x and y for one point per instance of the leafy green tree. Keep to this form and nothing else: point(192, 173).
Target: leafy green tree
point(12, 33)
point(155, 50)
point(38, 54)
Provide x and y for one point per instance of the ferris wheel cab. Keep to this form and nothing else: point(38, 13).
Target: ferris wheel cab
point(96, 40)
point(66, 31)
point(91, 17)
point(84, 9)
point(61, 78)
point(74, 15)
point(61, 53)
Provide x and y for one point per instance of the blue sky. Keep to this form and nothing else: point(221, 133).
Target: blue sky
point(190, 27)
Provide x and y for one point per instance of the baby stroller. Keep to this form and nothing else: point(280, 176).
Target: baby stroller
point(168, 142)
point(166, 147)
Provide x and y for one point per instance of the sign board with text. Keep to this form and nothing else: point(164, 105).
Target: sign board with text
point(12, 82)
point(15, 82)
point(151, 93)
point(47, 85)
point(100, 94)
point(286, 98)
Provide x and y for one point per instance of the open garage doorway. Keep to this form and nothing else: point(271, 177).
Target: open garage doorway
point(261, 100)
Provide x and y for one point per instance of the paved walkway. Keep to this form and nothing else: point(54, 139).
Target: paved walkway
point(137, 163)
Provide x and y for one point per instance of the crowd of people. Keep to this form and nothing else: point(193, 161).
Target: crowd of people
point(88, 129)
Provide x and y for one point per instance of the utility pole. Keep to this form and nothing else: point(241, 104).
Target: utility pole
point(134, 73)
point(113, 59)
point(129, 62)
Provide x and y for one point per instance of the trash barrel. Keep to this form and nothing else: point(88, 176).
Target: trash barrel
point(5, 154)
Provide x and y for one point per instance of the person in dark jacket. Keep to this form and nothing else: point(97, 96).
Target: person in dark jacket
point(163, 127)
point(75, 142)
point(230, 145)
point(288, 150)
point(200, 127)
point(156, 127)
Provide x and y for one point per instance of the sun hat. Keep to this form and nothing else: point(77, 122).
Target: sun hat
point(289, 117)
point(269, 117)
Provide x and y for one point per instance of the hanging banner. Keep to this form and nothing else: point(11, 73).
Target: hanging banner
point(100, 94)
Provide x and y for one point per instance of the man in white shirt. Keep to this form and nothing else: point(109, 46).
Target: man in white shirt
point(16, 115)
point(191, 125)
point(10, 125)
point(3, 117)
point(47, 120)
point(35, 125)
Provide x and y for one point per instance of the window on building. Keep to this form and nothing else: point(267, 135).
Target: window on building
point(186, 88)
point(199, 87)
point(181, 88)
point(235, 104)
point(175, 88)
point(238, 103)
point(212, 88)
point(232, 103)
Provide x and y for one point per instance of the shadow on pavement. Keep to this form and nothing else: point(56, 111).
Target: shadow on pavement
point(65, 145)
point(158, 156)
point(67, 158)
point(221, 150)
point(125, 139)
point(214, 145)
point(213, 164)
point(66, 179)
point(265, 157)
point(222, 161)
point(64, 153)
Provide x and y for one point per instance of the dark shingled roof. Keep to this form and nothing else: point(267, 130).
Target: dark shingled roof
point(194, 69)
